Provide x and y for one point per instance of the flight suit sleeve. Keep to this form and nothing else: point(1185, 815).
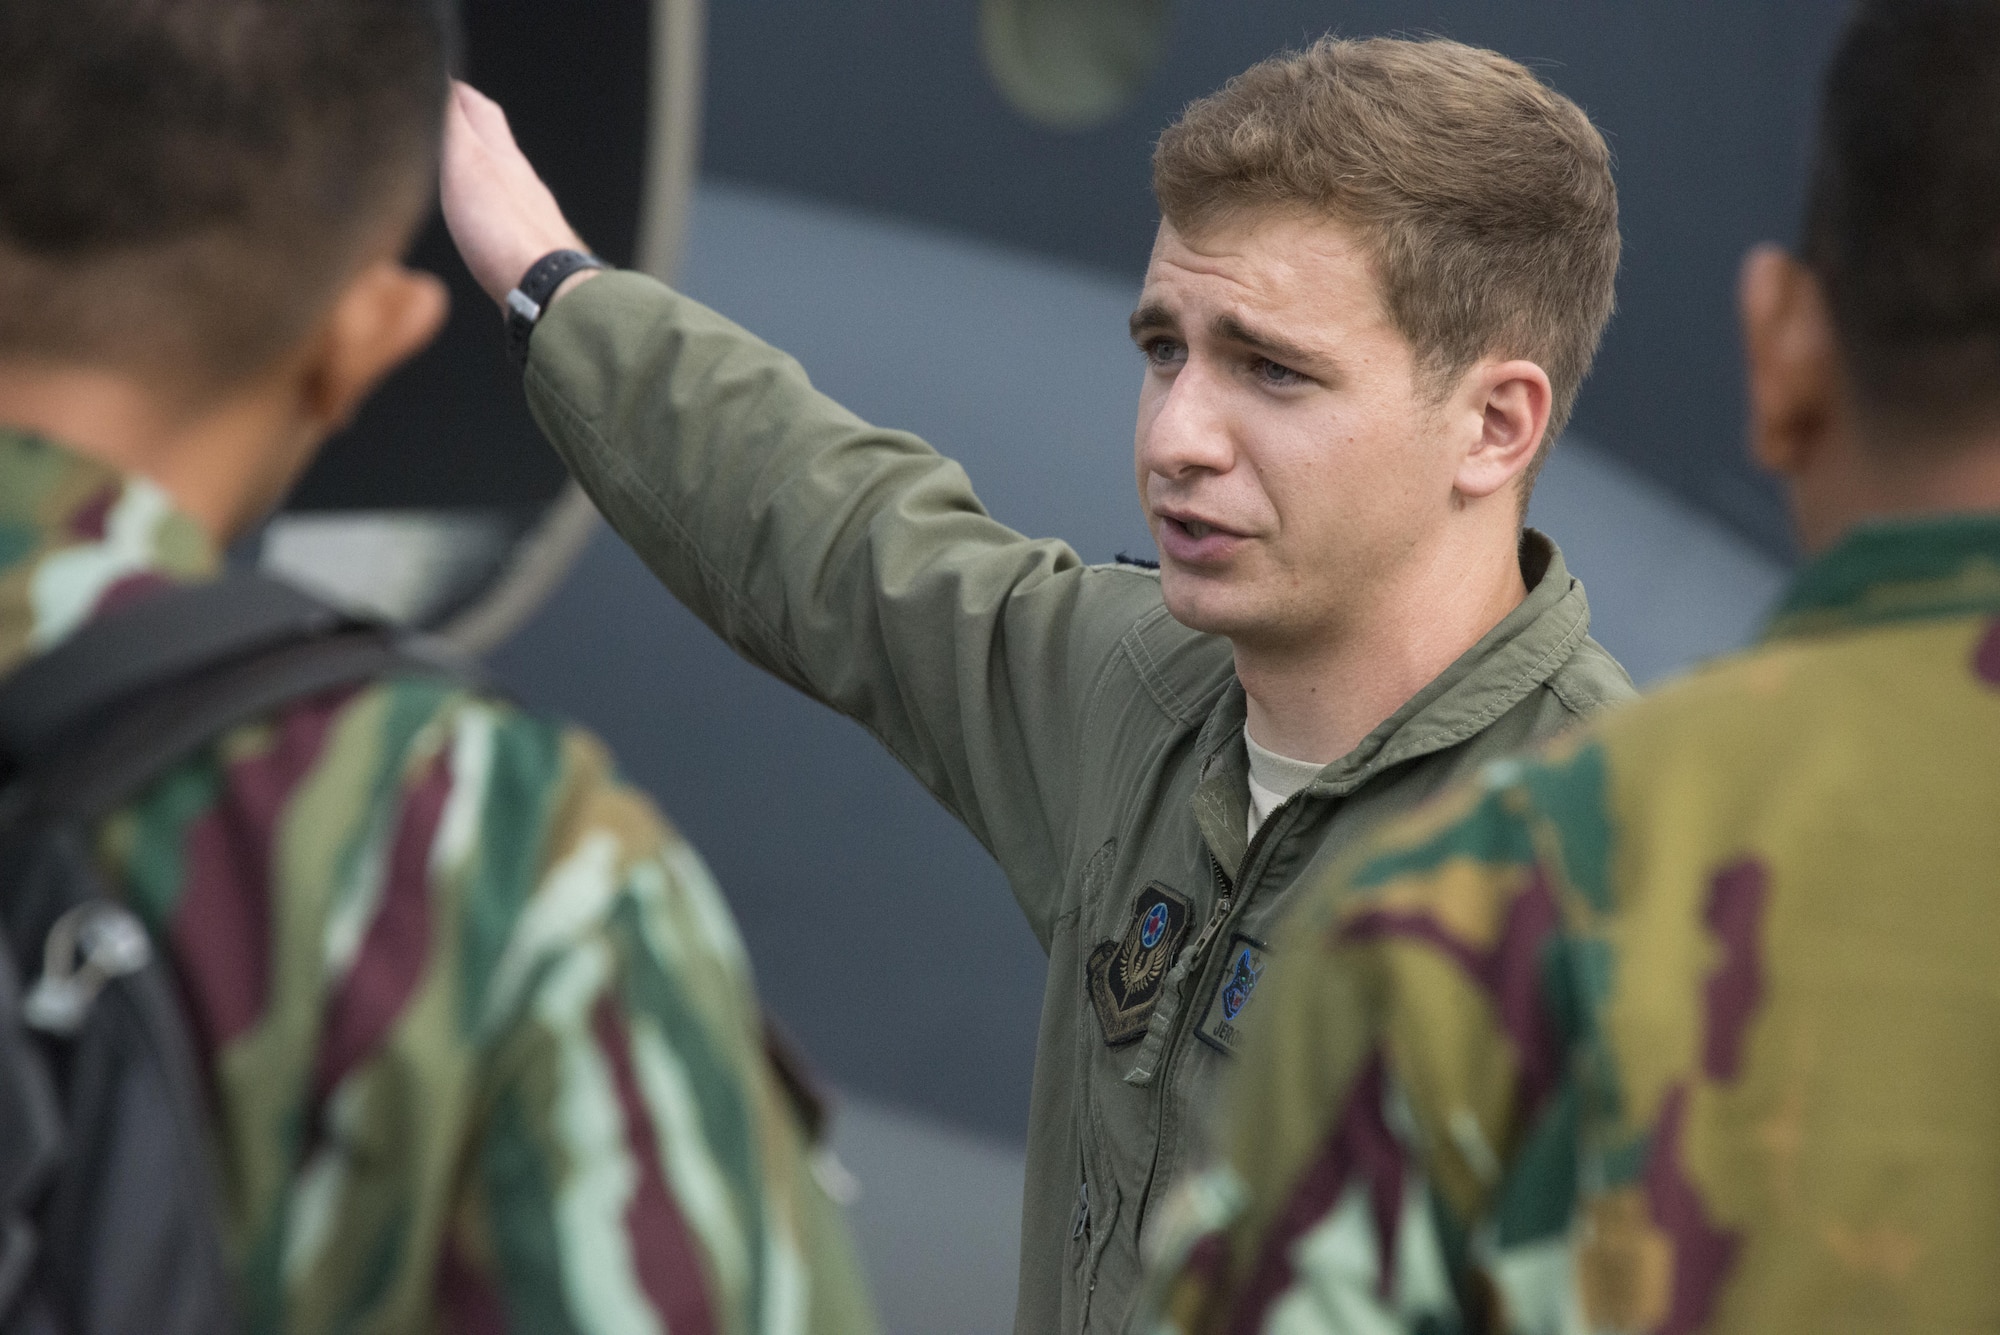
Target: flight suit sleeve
point(853, 562)
point(634, 1162)
point(1396, 1151)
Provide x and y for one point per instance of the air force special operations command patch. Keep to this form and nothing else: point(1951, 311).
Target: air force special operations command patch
point(1125, 976)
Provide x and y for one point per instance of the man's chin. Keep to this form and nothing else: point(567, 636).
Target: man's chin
point(1210, 606)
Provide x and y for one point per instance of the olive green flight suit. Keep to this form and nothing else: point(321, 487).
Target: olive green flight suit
point(1092, 743)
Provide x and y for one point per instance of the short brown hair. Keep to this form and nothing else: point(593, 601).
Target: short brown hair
point(1485, 195)
point(1903, 218)
point(182, 182)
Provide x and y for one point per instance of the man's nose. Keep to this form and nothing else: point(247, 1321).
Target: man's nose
point(1190, 429)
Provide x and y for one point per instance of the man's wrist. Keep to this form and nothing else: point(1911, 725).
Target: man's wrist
point(511, 262)
point(545, 280)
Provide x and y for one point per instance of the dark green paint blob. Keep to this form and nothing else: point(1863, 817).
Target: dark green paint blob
point(1570, 802)
point(1488, 833)
point(521, 1218)
point(17, 543)
point(1539, 1194)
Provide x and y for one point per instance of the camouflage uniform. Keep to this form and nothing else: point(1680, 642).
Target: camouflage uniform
point(1690, 1024)
point(483, 1048)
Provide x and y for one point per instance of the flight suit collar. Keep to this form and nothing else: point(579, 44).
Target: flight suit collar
point(1896, 570)
point(1511, 660)
point(77, 538)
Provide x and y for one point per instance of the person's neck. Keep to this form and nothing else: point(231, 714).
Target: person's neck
point(205, 455)
point(1896, 479)
point(1316, 699)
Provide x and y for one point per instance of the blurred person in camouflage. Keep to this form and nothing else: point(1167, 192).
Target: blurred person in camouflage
point(482, 1045)
point(1692, 1022)
point(1380, 278)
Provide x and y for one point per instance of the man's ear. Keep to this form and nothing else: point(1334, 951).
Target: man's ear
point(1511, 400)
point(386, 315)
point(1792, 360)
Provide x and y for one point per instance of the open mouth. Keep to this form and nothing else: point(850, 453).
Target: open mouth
point(1196, 528)
point(1186, 539)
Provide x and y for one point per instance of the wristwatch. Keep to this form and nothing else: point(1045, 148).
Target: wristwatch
point(530, 298)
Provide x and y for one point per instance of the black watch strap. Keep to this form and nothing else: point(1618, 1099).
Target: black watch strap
point(530, 297)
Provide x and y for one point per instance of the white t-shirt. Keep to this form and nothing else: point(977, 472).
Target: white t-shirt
point(1273, 778)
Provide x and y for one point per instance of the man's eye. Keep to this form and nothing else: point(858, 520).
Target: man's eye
point(1271, 373)
point(1163, 351)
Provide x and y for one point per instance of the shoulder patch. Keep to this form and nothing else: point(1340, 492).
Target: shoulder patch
point(1221, 1023)
point(1125, 975)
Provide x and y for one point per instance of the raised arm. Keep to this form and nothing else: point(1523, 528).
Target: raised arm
point(853, 562)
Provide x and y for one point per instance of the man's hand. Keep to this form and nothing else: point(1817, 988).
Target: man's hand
point(500, 214)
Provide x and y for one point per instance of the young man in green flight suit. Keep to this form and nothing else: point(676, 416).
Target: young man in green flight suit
point(1692, 1023)
point(1382, 274)
point(479, 1035)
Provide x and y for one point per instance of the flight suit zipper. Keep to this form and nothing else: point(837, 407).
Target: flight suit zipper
point(1227, 901)
point(1225, 905)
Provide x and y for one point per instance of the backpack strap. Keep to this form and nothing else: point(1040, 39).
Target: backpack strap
point(135, 691)
point(155, 640)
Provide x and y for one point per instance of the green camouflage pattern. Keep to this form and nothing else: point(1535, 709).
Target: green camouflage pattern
point(484, 1048)
point(1686, 1024)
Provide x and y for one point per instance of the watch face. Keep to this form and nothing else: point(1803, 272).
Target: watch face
point(429, 506)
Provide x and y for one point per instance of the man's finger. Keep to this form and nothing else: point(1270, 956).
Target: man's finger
point(467, 162)
point(466, 146)
point(486, 118)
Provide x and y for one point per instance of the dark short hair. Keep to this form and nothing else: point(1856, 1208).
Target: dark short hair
point(190, 179)
point(1485, 195)
point(1902, 222)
